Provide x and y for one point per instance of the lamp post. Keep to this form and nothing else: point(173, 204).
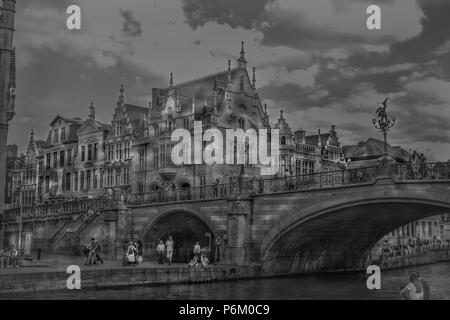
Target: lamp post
point(383, 123)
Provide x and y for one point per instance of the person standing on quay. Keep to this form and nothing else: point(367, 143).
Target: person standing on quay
point(97, 251)
point(160, 250)
point(197, 251)
point(169, 249)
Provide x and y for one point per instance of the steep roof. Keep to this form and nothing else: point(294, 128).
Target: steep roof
point(201, 89)
point(65, 119)
point(373, 149)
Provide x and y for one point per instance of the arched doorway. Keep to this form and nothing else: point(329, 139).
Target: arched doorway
point(184, 190)
point(185, 229)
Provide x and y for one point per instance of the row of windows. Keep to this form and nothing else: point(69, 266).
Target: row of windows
point(290, 166)
point(119, 151)
point(422, 228)
point(92, 152)
point(117, 177)
point(92, 179)
point(169, 125)
point(52, 161)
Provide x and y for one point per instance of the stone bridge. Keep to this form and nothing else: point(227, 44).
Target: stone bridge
point(288, 225)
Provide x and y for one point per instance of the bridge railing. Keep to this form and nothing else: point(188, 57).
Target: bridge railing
point(45, 210)
point(423, 171)
point(317, 180)
point(326, 179)
point(176, 195)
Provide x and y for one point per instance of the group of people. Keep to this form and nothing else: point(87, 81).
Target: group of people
point(199, 261)
point(389, 251)
point(92, 253)
point(9, 258)
point(165, 250)
point(133, 253)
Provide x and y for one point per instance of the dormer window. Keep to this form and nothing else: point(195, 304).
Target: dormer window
point(283, 141)
point(119, 128)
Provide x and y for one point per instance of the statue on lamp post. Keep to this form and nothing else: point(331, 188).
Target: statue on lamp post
point(383, 123)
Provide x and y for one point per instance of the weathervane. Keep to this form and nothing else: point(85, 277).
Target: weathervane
point(383, 123)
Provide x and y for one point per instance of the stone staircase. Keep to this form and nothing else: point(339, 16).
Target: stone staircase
point(66, 239)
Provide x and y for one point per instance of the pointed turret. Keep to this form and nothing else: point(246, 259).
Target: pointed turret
point(242, 62)
point(92, 111)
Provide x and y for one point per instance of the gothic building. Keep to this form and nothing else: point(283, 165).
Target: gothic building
point(26, 175)
point(224, 100)
point(84, 158)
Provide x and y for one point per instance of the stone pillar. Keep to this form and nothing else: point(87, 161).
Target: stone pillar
point(386, 166)
point(115, 218)
point(237, 233)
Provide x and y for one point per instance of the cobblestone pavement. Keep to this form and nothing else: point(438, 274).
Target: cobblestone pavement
point(52, 263)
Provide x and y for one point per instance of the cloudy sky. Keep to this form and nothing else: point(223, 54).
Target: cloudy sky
point(315, 59)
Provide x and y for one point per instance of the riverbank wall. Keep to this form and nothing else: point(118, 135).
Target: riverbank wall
point(23, 281)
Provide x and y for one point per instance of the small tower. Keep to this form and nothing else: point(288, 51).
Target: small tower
point(242, 63)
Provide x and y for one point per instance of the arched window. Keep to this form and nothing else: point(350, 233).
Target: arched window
point(283, 140)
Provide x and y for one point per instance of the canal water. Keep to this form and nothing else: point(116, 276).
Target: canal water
point(324, 286)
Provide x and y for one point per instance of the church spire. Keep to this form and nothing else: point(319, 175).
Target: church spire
point(32, 135)
point(171, 80)
point(242, 63)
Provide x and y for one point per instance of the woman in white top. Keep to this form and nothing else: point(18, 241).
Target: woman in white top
point(414, 290)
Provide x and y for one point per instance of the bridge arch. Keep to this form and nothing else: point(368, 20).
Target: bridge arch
point(185, 226)
point(336, 233)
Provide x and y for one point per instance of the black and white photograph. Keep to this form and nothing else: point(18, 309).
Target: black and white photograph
point(232, 152)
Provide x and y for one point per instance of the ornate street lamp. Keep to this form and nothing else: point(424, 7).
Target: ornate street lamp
point(383, 123)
